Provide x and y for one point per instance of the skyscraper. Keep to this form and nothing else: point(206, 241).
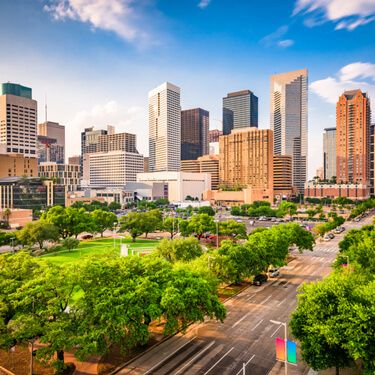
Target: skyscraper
point(289, 120)
point(194, 133)
point(372, 159)
point(53, 130)
point(353, 117)
point(329, 153)
point(18, 119)
point(165, 128)
point(240, 110)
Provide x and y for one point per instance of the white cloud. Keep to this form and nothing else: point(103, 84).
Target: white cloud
point(276, 38)
point(118, 16)
point(357, 75)
point(347, 14)
point(204, 4)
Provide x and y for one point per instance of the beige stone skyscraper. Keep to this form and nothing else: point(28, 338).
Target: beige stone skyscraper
point(289, 120)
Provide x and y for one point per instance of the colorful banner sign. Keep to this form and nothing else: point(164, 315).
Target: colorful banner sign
point(291, 349)
point(280, 349)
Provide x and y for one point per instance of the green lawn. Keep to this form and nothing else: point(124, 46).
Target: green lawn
point(97, 246)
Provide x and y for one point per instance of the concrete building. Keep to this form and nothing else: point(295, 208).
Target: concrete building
point(214, 148)
point(320, 173)
point(146, 164)
point(49, 151)
point(17, 217)
point(107, 195)
point(289, 120)
point(175, 186)
point(90, 140)
point(18, 120)
point(165, 128)
point(372, 159)
point(67, 175)
point(329, 153)
point(117, 142)
point(18, 165)
point(240, 110)
point(204, 164)
point(353, 118)
point(282, 176)
point(55, 131)
point(111, 169)
point(351, 191)
point(246, 160)
point(76, 159)
point(194, 133)
point(213, 135)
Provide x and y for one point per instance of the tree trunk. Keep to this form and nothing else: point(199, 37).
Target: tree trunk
point(337, 370)
point(60, 355)
point(133, 238)
point(146, 234)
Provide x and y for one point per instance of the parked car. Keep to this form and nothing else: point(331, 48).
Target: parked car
point(87, 237)
point(327, 238)
point(262, 218)
point(260, 279)
point(273, 272)
point(339, 230)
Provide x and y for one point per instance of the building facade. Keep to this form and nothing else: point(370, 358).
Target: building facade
point(289, 120)
point(164, 128)
point(282, 176)
point(240, 110)
point(49, 151)
point(67, 175)
point(246, 160)
point(76, 159)
point(117, 142)
point(353, 118)
point(90, 140)
point(18, 165)
point(204, 164)
point(18, 120)
point(329, 153)
point(213, 135)
point(372, 159)
point(194, 133)
point(54, 130)
point(351, 191)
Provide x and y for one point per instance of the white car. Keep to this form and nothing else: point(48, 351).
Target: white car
point(273, 272)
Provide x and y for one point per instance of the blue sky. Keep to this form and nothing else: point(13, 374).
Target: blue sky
point(96, 60)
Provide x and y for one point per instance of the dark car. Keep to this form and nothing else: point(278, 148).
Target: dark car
point(260, 279)
point(87, 236)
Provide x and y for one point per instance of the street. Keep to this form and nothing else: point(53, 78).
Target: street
point(247, 335)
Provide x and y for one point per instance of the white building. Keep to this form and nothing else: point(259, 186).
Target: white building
point(165, 128)
point(175, 186)
point(111, 169)
point(289, 120)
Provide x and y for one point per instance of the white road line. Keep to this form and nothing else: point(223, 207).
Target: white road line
point(219, 360)
point(251, 297)
point(286, 283)
point(170, 355)
point(196, 356)
point(266, 299)
point(257, 325)
point(239, 372)
point(280, 303)
point(239, 321)
point(276, 330)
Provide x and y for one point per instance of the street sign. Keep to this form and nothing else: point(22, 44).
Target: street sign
point(280, 349)
point(291, 352)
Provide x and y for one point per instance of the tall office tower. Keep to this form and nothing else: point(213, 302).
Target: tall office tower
point(90, 140)
point(282, 175)
point(53, 130)
point(213, 135)
point(353, 116)
point(49, 151)
point(164, 128)
point(194, 133)
point(372, 159)
point(289, 120)
point(329, 153)
point(117, 142)
point(240, 110)
point(246, 158)
point(18, 119)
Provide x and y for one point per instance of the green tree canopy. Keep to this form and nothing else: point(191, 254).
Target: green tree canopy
point(184, 249)
point(37, 232)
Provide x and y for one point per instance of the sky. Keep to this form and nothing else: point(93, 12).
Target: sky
point(94, 61)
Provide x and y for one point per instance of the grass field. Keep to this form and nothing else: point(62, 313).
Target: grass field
point(98, 246)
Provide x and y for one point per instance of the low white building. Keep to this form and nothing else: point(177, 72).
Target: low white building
point(175, 186)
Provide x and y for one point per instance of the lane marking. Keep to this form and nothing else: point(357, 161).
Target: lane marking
point(239, 321)
point(266, 299)
point(196, 356)
point(219, 360)
point(167, 357)
point(239, 372)
point(276, 330)
point(251, 297)
point(280, 303)
point(260, 322)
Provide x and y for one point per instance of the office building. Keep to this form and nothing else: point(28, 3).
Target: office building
point(62, 174)
point(319, 173)
point(352, 191)
point(329, 153)
point(18, 165)
point(49, 151)
point(240, 110)
point(111, 169)
point(353, 118)
point(53, 130)
point(194, 133)
point(372, 159)
point(214, 148)
point(164, 128)
point(282, 176)
point(18, 120)
point(204, 164)
point(246, 159)
point(146, 164)
point(289, 120)
point(213, 135)
point(76, 159)
point(90, 140)
point(117, 142)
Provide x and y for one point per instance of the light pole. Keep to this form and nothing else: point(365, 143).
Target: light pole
point(12, 239)
point(286, 340)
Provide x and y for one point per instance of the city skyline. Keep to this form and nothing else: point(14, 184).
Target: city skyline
point(86, 93)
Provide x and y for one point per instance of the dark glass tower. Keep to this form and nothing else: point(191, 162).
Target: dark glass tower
point(240, 110)
point(194, 133)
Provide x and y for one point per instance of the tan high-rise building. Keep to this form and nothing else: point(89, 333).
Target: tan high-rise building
point(18, 119)
point(117, 142)
point(62, 174)
point(76, 159)
point(53, 130)
point(246, 158)
point(282, 175)
point(17, 165)
point(204, 164)
point(353, 119)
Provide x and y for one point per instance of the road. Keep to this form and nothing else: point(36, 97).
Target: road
point(246, 336)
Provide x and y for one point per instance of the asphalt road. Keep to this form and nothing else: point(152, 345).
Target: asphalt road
point(247, 335)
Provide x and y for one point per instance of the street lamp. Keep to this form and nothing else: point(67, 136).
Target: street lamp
point(286, 340)
point(217, 233)
point(12, 239)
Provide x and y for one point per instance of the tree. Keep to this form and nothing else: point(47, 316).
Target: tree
point(114, 206)
point(206, 210)
point(152, 221)
point(200, 223)
point(134, 223)
point(286, 208)
point(183, 249)
point(70, 243)
point(171, 225)
point(103, 220)
point(232, 229)
point(38, 232)
point(6, 214)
